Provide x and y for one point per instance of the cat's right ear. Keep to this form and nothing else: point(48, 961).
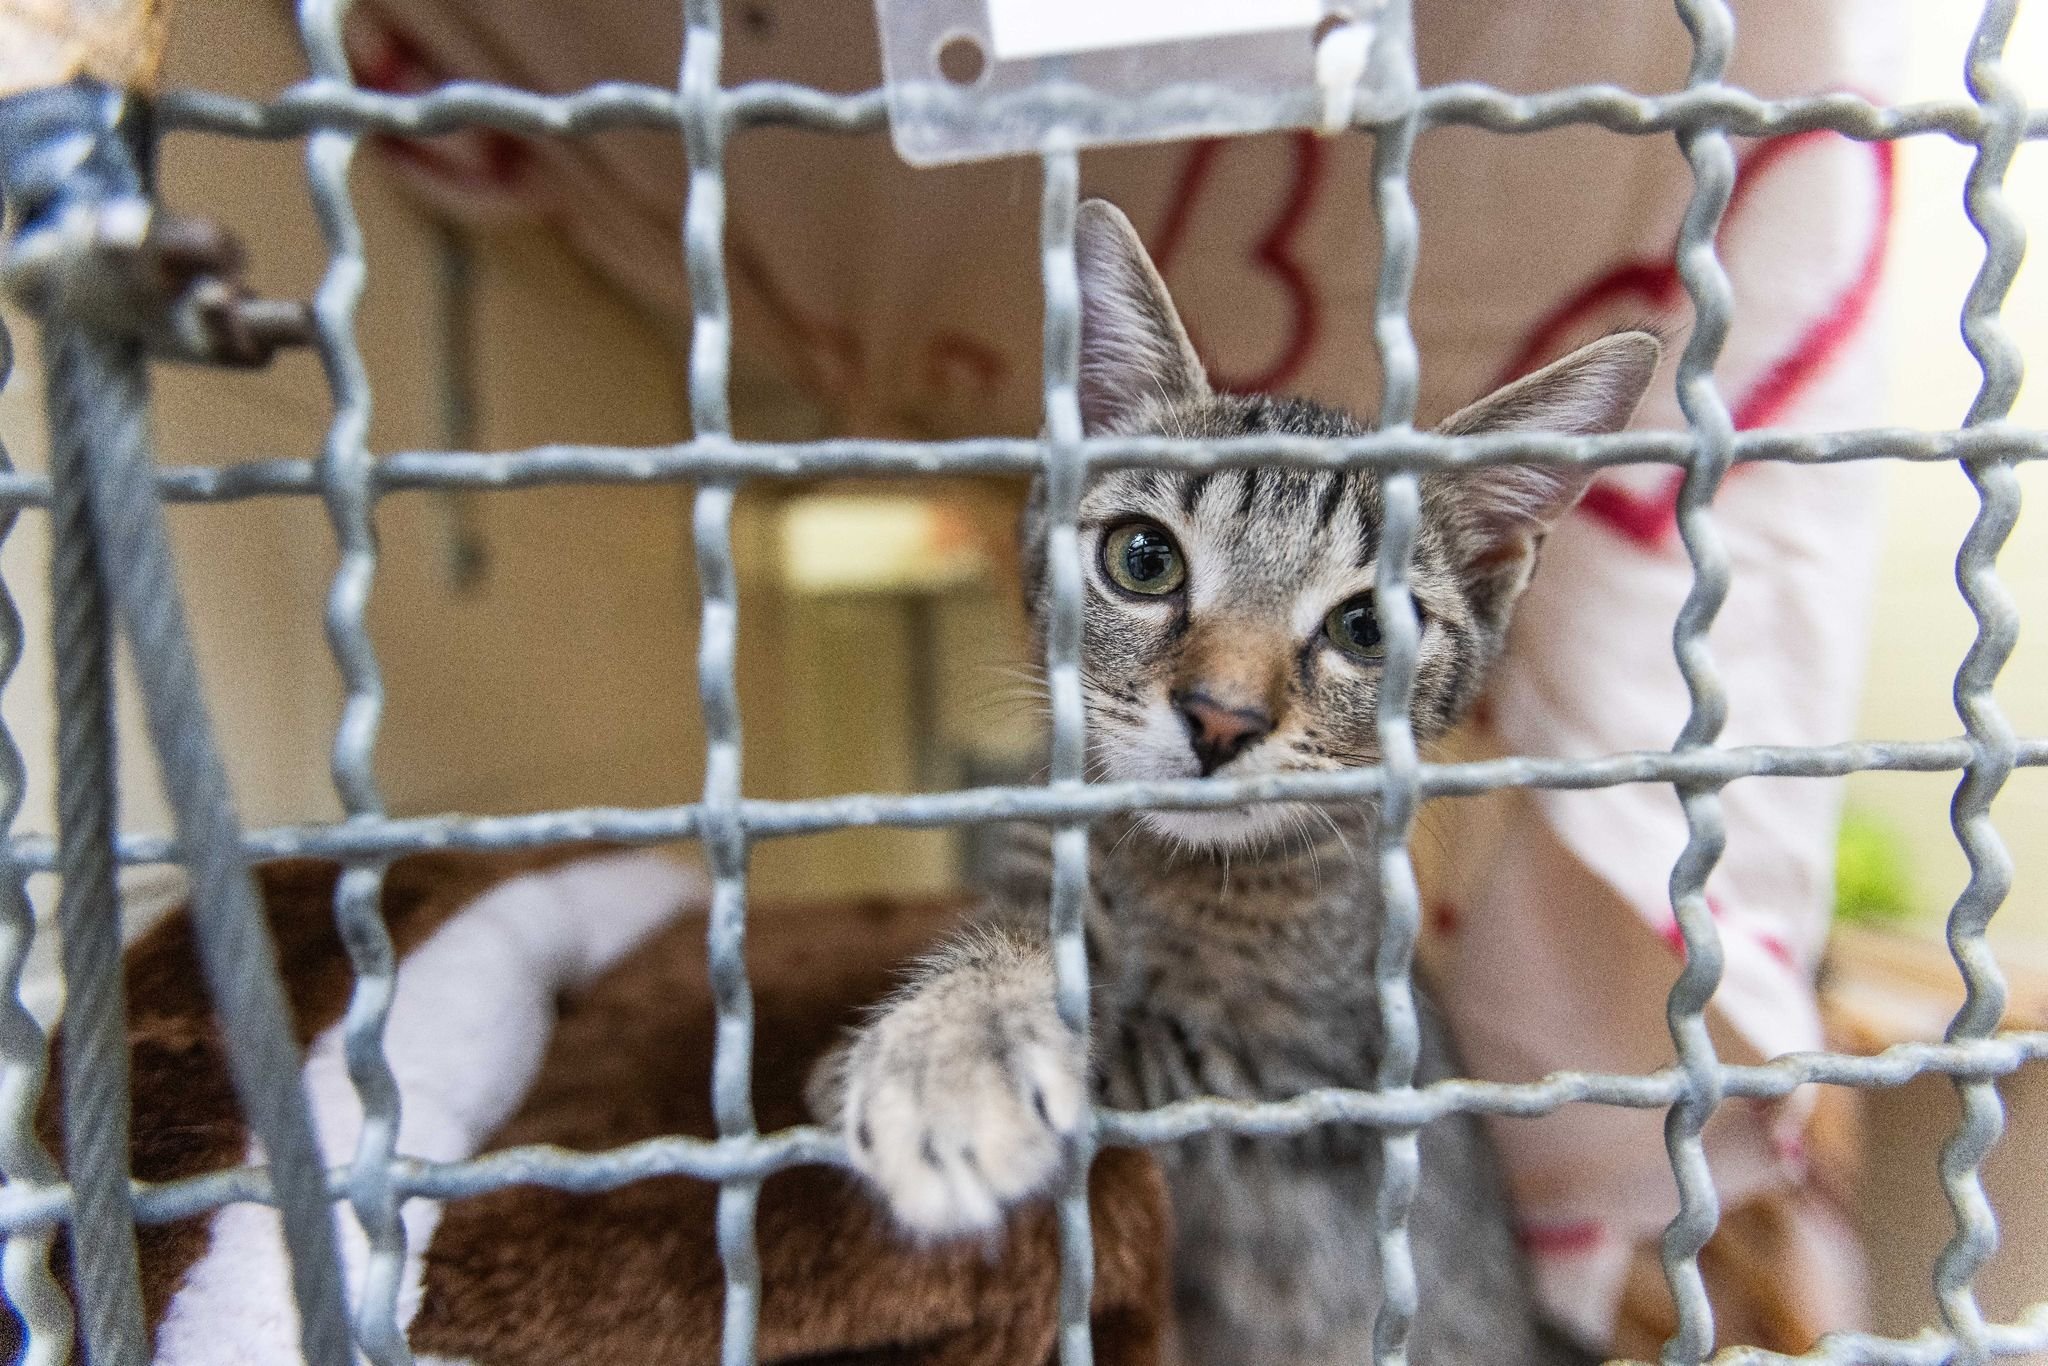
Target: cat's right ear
point(1498, 515)
point(1590, 392)
point(1134, 350)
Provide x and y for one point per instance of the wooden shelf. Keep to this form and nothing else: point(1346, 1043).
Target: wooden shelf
point(1881, 987)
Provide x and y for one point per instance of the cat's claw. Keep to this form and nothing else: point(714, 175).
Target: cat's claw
point(960, 1100)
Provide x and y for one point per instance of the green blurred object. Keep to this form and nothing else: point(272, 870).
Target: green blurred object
point(1872, 883)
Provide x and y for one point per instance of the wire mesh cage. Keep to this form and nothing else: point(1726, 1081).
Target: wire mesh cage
point(102, 492)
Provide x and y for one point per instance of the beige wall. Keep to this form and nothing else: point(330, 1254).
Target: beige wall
point(567, 676)
point(1905, 1215)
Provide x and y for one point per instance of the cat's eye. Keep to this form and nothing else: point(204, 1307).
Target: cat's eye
point(1354, 627)
point(1140, 557)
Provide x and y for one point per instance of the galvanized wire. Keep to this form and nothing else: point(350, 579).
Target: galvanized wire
point(25, 1163)
point(724, 832)
point(406, 471)
point(760, 1156)
point(112, 555)
point(1064, 479)
point(1993, 743)
point(775, 819)
point(1705, 116)
point(1400, 1170)
point(1712, 160)
point(95, 395)
point(99, 414)
point(234, 947)
point(620, 104)
point(344, 474)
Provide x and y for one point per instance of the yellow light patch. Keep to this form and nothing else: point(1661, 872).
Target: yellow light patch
point(849, 543)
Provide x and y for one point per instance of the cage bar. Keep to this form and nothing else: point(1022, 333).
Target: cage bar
point(345, 474)
point(1992, 741)
point(1066, 909)
point(1400, 1171)
point(1712, 160)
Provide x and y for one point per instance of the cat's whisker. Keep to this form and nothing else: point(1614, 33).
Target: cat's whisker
point(1023, 680)
point(1019, 714)
point(1308, 845)
point(1018, 694)
point(1175, 844)
point(1337, 830)
point(1009, 712)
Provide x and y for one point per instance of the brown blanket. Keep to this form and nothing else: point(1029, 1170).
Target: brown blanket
point(532, 1276)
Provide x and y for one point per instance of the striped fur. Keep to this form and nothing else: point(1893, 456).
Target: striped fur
point(1231, 950)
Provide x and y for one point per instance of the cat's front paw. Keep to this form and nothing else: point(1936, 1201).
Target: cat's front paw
point(960, 1098)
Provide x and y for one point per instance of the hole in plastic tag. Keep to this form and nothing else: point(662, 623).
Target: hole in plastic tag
point(970, 79)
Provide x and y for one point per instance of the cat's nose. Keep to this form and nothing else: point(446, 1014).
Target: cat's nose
point(1219, 733)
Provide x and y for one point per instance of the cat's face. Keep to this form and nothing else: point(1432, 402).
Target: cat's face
point(1228, 622)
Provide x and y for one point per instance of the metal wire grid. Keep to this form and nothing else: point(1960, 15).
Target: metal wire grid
point(349, 478)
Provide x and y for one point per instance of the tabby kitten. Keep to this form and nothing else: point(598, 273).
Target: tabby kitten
point(1229, 629)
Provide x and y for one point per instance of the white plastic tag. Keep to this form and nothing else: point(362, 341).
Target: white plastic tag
point(1041, 28)
point(972, 79)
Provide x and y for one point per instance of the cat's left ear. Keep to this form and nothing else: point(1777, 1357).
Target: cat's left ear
point(1500, 513)
point(1134, 351)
